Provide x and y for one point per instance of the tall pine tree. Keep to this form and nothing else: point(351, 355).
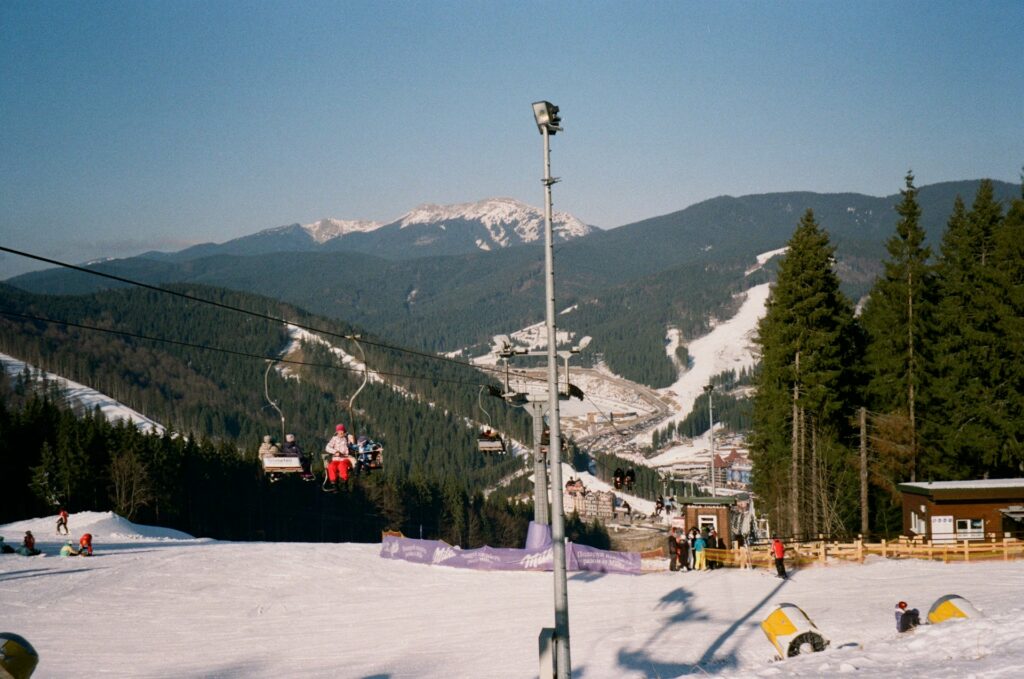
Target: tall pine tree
point(807, 387)
point(897, 319)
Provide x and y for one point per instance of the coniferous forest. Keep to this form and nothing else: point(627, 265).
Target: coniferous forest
point(927, 382)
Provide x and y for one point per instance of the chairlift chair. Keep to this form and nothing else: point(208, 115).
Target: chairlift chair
point(488, 441)
point(278, 464)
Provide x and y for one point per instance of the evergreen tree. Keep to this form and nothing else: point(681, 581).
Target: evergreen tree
point(897, 319)
point(965, 422)
point(807, 382)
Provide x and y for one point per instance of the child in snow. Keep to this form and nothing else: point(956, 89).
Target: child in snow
point(69, 550)
point(906, 618)
point(85, 544)
point(4, 547)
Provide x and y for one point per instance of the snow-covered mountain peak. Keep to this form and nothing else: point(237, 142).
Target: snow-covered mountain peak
point(326, 229)
point(498, 215)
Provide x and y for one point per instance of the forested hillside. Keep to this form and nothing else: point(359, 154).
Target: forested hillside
point(206, 376)
point(631, 283)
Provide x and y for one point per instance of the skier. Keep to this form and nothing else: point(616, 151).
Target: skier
point(291, 449)
point(85, 544)
point(340, 463)
point(779, 552)
point(906, 618)
point(62, 521)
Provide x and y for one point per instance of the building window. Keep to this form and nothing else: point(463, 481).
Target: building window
point(710, 521)
point(970, 529)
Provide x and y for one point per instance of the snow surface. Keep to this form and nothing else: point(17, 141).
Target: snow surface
point(79, 395)
point(150, 604)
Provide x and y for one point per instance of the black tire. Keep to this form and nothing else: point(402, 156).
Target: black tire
point(813, 638)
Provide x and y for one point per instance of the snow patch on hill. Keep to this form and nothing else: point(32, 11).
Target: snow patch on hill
point(86, 399)
point(500, 216)
point(326, 229)
point(104, 527)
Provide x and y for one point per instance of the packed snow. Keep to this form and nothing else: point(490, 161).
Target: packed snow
point(83, 398)
point(156, 603)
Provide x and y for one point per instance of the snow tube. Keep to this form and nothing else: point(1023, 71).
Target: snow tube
point(951, 606)
point(792, 633)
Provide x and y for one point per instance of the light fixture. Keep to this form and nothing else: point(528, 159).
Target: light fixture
point(547, 117)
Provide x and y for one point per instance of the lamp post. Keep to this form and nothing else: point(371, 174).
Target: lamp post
point(711, 434)
point(548, 123)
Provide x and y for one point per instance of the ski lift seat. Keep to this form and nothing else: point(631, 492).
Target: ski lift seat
point(490, 443)
point(281, 464)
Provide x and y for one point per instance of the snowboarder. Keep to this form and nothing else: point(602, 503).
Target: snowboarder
point(85, 544)
point(291, 449)
point(28, 545)
point(4, 547)
point(906, 618)
point(62, 521)
point(779, 552)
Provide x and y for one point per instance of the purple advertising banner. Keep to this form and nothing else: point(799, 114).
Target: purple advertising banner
point(578, 557)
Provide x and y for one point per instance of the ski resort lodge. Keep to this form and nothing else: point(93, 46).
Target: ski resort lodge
point(947, 511)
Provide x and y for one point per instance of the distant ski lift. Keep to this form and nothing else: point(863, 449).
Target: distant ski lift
point(488, 441)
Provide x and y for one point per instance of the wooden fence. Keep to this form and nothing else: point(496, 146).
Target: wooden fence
point(821, 551)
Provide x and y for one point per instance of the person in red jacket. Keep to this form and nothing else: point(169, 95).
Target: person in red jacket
point(779, 552)
point(85, 545)
point(62, 521)
point(340, 463)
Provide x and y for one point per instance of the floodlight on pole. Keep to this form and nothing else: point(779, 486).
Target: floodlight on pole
point(549, 122)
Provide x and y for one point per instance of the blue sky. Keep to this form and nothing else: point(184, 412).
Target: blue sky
point(127, 126)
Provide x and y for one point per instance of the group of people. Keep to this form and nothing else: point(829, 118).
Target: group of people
point(28, 543)
point(624, 478)
point(666, 505)
point(575, 487)
point(688, 551)
point(343, 456)
point(291, 448)
point(341, 451)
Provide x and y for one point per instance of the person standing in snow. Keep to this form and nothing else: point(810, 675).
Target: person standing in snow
point(684, 554)
point(779, 553)
point(62, 521)
point(673, 550)
point(744, 547)
point(699, 557)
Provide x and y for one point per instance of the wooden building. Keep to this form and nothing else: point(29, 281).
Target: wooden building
point(713, 512)
point(947, 511)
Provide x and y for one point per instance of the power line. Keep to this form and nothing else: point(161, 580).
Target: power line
point(248, 312)
point(226, 351)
